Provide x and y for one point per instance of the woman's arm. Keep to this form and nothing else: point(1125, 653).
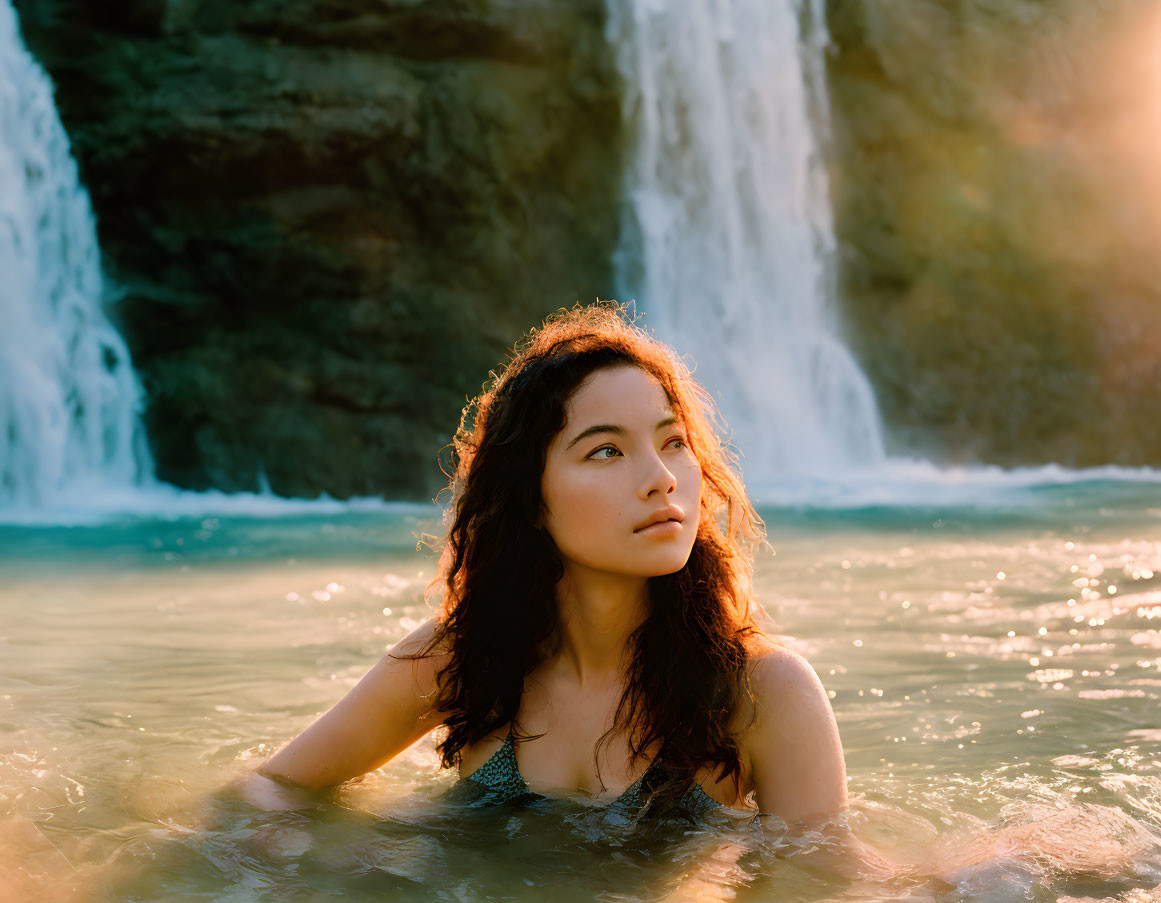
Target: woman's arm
point(799, 774)
point(389, 709)
point(793, 746)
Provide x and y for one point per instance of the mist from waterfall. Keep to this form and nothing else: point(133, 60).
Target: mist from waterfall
point(727, 240)
point(69, 399)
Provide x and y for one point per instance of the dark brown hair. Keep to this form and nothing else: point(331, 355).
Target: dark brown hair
point(498, 571)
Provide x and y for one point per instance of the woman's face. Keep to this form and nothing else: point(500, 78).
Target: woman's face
point(620, 461)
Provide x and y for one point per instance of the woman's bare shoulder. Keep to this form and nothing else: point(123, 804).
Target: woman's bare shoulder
point(793, 744)
point(782, 680)
point(426, 639)
point(426, 647)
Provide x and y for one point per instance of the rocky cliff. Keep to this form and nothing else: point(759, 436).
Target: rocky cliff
point(998, 199)
point(323, 221)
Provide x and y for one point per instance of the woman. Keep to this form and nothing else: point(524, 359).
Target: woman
point(596, 638)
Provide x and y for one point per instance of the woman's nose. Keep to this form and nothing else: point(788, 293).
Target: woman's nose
point(659, 478)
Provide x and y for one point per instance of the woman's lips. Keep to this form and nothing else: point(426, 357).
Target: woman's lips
point(664, 528)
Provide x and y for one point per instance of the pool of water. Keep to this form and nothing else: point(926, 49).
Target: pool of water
point(994, 668)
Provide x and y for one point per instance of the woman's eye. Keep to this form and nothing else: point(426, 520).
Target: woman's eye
point(596, 455)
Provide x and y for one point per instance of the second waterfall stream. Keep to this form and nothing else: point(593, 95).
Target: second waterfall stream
point(727, 238)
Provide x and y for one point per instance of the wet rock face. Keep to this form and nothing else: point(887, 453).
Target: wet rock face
point(324, 221)
point(998, 205)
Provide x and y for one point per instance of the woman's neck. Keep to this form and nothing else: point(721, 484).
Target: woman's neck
point(598, 612)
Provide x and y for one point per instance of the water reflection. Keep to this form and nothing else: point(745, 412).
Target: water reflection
point(995, 696)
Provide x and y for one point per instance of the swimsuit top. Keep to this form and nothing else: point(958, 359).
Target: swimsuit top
point(502, 782)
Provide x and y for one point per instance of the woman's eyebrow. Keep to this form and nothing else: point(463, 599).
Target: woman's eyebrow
point(615, 429)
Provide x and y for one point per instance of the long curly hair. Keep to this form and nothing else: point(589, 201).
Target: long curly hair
point(686, 678)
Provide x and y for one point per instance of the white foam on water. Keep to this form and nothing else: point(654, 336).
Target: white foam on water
point(102, 504)
point(913, 483)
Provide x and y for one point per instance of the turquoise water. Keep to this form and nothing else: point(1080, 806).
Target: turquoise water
point(993, 664)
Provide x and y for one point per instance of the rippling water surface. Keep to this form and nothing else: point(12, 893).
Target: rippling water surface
point(994, 671)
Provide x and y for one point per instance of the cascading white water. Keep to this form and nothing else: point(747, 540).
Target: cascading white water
point(69, 399)
point(728, 237)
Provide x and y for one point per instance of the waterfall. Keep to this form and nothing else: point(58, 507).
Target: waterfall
point(69, 399)
point(727, 239)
